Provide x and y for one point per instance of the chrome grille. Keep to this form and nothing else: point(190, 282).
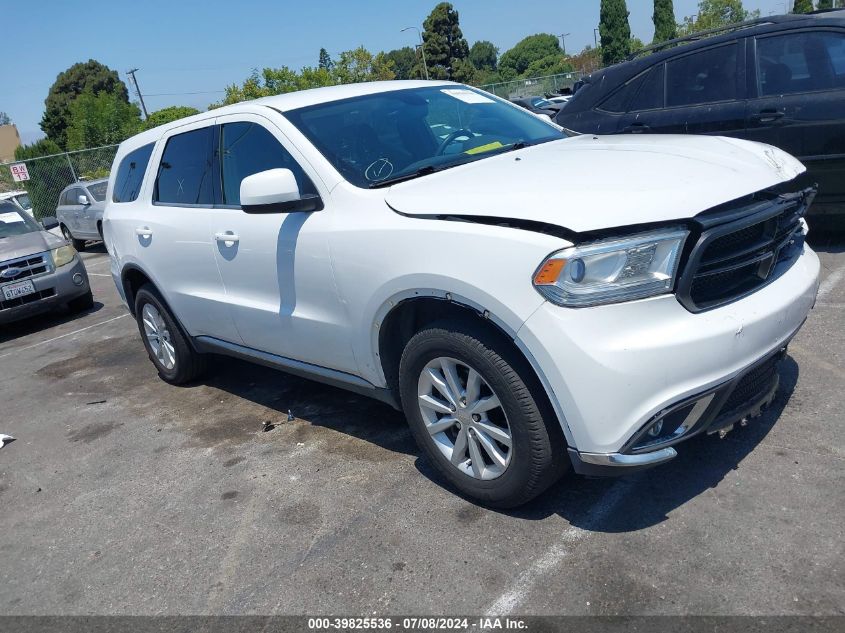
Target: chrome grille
point(25, 267)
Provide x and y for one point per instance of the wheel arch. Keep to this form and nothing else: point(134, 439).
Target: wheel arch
point(408, 312)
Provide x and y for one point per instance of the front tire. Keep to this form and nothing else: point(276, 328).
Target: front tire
point(166, 345)
point(79, 245)
point(81, 304)
point(477, 410)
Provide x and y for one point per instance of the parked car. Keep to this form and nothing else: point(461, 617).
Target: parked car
point(39, 271)
point(778, 80)
point(333, 234)
point(537, 105)
point(20, 198)
point(80, 211)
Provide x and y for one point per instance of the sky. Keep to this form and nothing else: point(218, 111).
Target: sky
point(188, 50)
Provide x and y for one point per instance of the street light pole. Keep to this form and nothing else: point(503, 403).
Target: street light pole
point(596, 37)
point(422, 46)
point(563, 41)
point(131, 73)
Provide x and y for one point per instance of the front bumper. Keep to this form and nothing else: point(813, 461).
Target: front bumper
point(52, 290)
point(611, 370)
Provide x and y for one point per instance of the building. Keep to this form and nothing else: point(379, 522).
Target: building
point(10, 140)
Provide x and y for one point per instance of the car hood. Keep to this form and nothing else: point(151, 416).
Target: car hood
point(28, 244)
point(590, 182)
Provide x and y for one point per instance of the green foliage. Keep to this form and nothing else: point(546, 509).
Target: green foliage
point(714, 14)
point(483, 55)
point(405, 63)
point(92, 77)
point(615, 31)
point(47, 176)
point(351, 67)
point(325, 61)
point(802, 6)
point(4, 119)
point(101, 119)
point(636, 44)
point(166, 115)
point(587, 61)
point(824, 4)
point(444, 43)
point(549, 65)
point(527, 51)
point(664, 21)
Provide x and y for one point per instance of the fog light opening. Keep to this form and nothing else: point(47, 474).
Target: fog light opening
point(78, 279)
point(655, 429)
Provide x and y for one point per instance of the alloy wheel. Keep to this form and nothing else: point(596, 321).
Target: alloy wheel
point(465, 418)
point(158, 336)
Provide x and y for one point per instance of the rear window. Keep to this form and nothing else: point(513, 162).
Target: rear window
point(704, 77)
point(130, 174)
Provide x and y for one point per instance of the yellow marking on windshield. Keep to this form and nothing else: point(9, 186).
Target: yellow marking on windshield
point(484, 148)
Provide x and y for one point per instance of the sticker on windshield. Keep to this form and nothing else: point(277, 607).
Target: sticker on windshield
point(10, 218)
point(467, 96)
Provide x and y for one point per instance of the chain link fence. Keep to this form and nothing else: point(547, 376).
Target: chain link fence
point(535, 86)
point(48, 175)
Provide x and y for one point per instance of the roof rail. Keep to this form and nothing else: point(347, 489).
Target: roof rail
point(693, 37)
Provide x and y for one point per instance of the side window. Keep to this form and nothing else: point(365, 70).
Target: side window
point(800, 62)
point(650, 94)
point(71, 196)
point(185, 173)
point(97, 191)
point(130, 174)
point(704, 77)
point(248, 148)
point(618, 101)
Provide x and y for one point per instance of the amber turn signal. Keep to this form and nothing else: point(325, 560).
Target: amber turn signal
point(550, 271)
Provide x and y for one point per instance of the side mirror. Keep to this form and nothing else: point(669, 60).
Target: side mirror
point(49, 223)
point(82, 199)
point(276, 191)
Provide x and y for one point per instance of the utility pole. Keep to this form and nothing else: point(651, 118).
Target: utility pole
point(131, 73)
point(422, 46)
point(563, 41)
point(596, 37)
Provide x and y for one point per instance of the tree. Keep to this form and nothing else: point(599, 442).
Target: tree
point(405, 63)
point(325, 62)
point(4, 119)
point(587, 61)
point(166, 115)
point(90, 76)
point(483, 55)
point(361, 65)
point(527, 51)
point(443, 42)
point(47, 177)
point(615, 31)
point(664, 21)
point(714, 14)
point(101, 119)
point(802, 6)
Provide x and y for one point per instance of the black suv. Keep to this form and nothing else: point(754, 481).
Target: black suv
point(779, 80)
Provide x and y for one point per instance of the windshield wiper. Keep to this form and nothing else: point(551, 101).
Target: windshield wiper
point(422, 171)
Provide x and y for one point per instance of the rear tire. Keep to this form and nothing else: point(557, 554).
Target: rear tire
point(81, 304)
point(166, 344)
point(79, 245)
point(510, 475)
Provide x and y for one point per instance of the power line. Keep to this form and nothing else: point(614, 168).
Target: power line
point(131, 73)
point(179, 94)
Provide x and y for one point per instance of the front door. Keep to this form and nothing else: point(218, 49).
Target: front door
point(276, 267)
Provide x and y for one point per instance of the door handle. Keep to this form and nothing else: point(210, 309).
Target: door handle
point(227, 237)
point(637, 128)
point(768, 116)
point(143, 231)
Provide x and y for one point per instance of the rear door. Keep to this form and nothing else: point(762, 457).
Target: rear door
point(702, 92)
point(173, 233)
point(92, 213)
point(798, 104)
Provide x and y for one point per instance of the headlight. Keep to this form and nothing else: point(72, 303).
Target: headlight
point(613, 270)
point(63, 255)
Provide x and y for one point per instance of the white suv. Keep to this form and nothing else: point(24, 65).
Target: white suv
point(532, 302)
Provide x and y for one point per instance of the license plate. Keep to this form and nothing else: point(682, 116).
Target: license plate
point(19, 289)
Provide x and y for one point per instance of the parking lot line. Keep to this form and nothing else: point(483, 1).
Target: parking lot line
point(56, 338)
point(511, 599)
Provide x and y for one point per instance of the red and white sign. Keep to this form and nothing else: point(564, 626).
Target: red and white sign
point(19, 172)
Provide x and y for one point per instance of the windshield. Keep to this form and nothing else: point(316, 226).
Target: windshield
point(13, 221)
point(98, 190)
point(376, 139)
point(23, 200)
point(540, 103)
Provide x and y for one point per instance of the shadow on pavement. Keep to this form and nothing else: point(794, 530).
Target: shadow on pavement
point(39, 322)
